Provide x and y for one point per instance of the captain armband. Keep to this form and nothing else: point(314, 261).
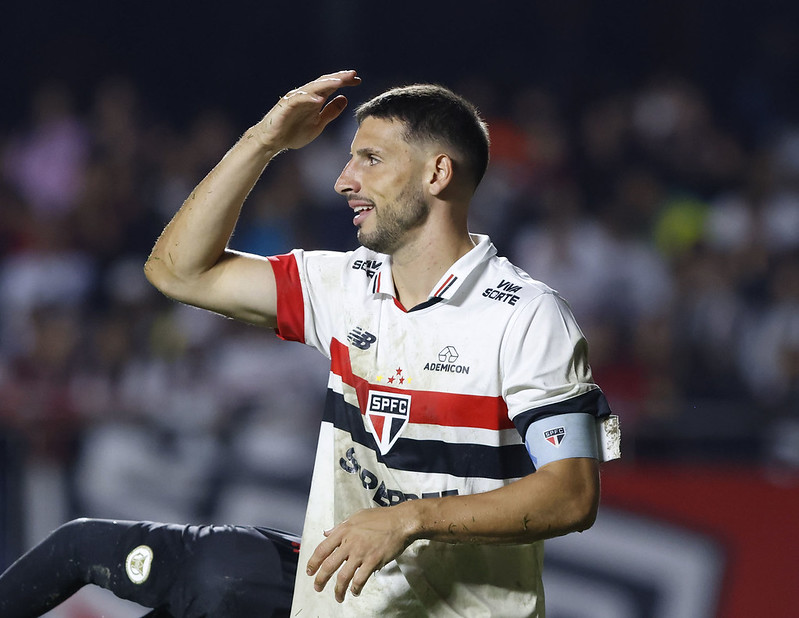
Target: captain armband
point(564, 436)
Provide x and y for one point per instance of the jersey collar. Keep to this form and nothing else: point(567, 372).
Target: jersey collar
point(453, 279)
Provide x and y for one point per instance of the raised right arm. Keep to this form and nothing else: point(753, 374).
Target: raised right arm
point(191, 261)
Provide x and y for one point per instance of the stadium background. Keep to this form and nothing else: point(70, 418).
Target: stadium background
point(645, 163)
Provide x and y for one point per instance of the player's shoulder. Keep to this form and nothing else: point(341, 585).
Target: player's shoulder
point(364, 261)
point(510, 289)
point(355, 259)
point(343, 269)
point(502, 268)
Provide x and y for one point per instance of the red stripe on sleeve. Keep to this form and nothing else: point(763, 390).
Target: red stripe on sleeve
point(290, 306)
point(427, 407)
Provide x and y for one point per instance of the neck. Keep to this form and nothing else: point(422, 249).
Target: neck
point(418, 266)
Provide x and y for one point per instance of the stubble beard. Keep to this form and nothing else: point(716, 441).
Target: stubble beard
point(408, 211)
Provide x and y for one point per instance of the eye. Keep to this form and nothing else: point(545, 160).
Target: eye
point(372, 160)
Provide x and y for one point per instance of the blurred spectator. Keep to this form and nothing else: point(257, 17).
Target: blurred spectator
point(45, 163)
point(674, 239)
point(48, 271)
point(769, 346)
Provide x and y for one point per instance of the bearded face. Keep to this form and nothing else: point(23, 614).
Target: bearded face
point(383, 185)
point(389, 223)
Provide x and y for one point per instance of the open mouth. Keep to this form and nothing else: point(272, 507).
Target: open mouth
point(361, 213)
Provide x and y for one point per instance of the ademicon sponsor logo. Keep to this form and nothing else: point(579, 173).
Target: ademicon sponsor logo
point(446, 362)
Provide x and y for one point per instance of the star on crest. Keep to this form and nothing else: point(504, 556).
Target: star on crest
point(397, 378)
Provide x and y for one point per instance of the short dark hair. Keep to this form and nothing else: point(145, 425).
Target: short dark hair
point(433, 113)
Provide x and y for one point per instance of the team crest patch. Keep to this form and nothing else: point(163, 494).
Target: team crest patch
point(555, 436)
point(138, 563)
point(386, 416)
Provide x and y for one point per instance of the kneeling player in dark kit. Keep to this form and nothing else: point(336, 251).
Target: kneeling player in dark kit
point(180, 571)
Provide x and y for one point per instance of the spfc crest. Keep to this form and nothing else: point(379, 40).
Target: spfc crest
point(386, 416)
point(555, 436)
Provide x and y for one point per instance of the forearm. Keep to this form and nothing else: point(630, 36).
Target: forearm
point(561, 497)
point(190, 261)
point(196, 238)
point(542, 505)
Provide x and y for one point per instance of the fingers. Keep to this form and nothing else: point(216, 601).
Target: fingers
point(325, 85)
point(325, 562)
point(360, 578)
point(301, 114)
point(356, 548)
point(322, 562)
point(333, 109)
point(345, 575)
point(352, 573)
point(330, 556)
point(320, 554)
point(326, 570)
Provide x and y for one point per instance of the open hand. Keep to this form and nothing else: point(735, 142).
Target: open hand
point(302, 114)
point(358, 547)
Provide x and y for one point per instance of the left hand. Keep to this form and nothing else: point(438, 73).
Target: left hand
point(301, 115)
point(358, 547)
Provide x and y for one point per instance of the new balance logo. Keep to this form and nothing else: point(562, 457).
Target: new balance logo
point(360, 338)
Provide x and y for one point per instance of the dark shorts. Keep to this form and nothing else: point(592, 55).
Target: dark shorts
point(198, 571)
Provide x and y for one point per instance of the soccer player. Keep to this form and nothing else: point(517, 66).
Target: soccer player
point(462, 426)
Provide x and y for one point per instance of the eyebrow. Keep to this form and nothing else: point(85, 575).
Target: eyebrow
point(368, 150)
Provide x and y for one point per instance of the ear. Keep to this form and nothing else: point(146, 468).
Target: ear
point(440, 173)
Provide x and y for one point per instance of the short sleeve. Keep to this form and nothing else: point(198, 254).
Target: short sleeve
point(290, 299)
point(309, 289)
point(544, 364)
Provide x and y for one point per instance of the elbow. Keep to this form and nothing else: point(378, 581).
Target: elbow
point(582, 509)
point(576, 514)
point(159, 276)
point(584, 515)
point(152, 272)
point(578, 490)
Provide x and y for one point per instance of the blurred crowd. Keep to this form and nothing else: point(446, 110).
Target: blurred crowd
point(673, 235)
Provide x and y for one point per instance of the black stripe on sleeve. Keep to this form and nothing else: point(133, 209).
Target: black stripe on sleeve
point(592, 402)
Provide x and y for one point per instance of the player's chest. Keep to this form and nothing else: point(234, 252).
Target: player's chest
point(442, 348)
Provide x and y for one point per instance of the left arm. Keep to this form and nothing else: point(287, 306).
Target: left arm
point(561, 497)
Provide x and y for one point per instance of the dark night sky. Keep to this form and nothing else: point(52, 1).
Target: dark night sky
point(238, 54)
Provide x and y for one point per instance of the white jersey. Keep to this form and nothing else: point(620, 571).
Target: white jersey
point(430, 402)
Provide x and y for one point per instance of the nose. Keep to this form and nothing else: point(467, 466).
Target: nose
point(346, 181)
